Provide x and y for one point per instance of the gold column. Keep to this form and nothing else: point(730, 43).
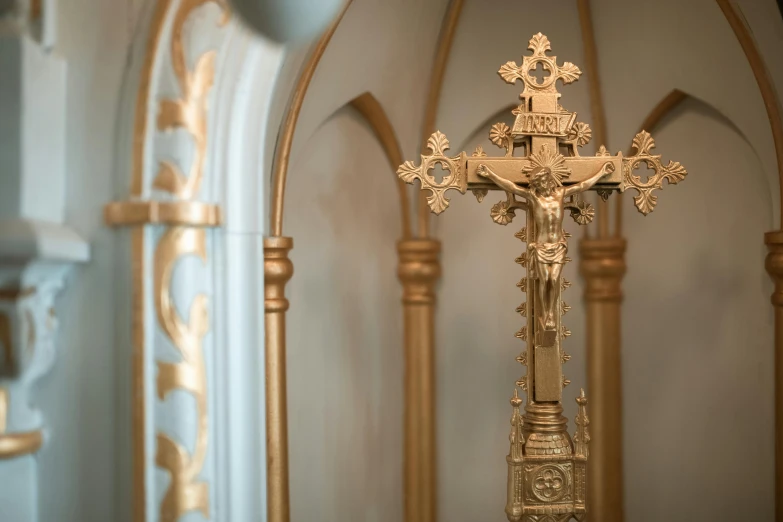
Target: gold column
point(774, 265)
point(602, 267)
point(419, 271)
point(278, 270)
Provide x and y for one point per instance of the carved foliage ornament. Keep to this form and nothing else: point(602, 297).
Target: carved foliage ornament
point(189, 112)
point(539, 44)
point(185, 492)
point(673, 172)
point(438, 144)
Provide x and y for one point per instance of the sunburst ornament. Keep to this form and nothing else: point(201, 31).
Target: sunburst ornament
point(548, 158)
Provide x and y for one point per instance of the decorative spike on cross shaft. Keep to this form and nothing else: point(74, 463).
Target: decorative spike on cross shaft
point(546, 469)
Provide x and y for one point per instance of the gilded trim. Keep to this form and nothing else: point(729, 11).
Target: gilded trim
point(139, 447)
point(286, 136)
point(7, 352)
point(142, 97)
point(667, 104)
point(372, 112)
point(187, 213)
point(448, 30)
point(3, 410)
point(278, 270)
point(185, 492)
point(12, 294)
point(17, 444)
point(419, 270)
point(190, 111)
point(766, 87)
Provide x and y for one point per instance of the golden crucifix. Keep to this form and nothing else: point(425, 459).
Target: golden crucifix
point(546, 468)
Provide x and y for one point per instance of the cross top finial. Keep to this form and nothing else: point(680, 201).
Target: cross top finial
point(539, 44)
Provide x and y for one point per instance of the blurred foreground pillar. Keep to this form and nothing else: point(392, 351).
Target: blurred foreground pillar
point(774, 265)
point(602, 267)
point(278, 270)
point(419, 271)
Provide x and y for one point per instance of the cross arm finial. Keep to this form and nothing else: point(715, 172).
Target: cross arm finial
point(539, 44)
point(456, 179)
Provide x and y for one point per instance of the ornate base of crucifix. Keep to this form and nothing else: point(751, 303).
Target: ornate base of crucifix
point(546, 467)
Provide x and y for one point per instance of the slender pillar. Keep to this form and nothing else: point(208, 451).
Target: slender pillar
point(419, 271)
point(774, 265)
point(602, 267)
point(278, 270)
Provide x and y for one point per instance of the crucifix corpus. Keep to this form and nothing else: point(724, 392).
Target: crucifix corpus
point(546, 467)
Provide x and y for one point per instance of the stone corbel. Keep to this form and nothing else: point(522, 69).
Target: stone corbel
point(34, 261)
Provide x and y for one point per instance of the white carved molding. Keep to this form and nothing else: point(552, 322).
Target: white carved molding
point(188, 212)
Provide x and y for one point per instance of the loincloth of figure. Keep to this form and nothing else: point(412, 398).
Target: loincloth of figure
point(549, 253)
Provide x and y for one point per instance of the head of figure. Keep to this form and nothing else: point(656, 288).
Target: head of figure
point(543, 181)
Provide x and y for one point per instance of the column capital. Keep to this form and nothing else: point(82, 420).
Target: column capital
point(278, 270)
point(418, 269)
point(603, 266)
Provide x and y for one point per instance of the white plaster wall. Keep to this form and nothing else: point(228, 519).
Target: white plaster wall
point(77, 464)
point(344, 329)
point(697, 334)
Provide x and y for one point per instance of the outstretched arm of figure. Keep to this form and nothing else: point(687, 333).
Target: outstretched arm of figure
point(505, 184)
point(607, 168)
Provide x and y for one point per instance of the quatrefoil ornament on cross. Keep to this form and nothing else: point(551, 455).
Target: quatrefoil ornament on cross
point(539, 44)
point(455, 179)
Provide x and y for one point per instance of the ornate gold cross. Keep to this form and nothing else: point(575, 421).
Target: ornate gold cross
point(546, 475)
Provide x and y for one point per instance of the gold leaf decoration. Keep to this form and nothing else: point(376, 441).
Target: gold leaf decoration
point(565, 283)
point(569, 72)
point(539, 44)
point(602, 151)
point(564, 308)
point(522, 284)
point(190, 113)
point(479, 152)
point(522, 358)
point(510, 72)
point(580, 133)
point(673, 173)
point(185, 492)
point(522, 260)
point(604, 194)
point(522, 383)
point(565, 333)
point(565, 358)
point(522, 309)
point(456, 179)
point(500, 135)
point(438, 143)
point(582, 212)
point(566, 382)
point(522, 333)
point(501, 213)
point(479, 193)
point(522, 234)
point(546, 157)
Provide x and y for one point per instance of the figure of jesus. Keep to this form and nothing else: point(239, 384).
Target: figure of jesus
point(546, 199)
